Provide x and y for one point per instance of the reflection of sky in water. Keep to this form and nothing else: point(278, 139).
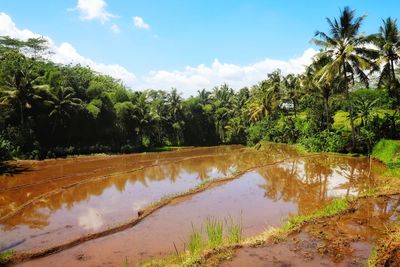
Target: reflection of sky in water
point(339, 185)
point(91, 220)
point(215, 172)
point(137, 205)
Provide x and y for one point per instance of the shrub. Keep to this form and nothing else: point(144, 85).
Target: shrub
point(257, 131)
point(326, 141)
point(6, 149)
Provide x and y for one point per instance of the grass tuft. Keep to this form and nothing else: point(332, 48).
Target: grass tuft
point(195, 241)
point(234, 233)
point(5, 256)
point(218, 235)
point(214, 229)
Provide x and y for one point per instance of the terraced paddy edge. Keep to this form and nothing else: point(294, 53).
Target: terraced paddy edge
point(262, 197)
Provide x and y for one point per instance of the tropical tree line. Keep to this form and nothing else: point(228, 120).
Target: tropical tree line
point(346, 100)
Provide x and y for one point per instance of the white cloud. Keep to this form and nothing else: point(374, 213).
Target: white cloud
point(191, 79)
point(66, 53)
point(8, 28)
point(115, 28)
point(139, 23)
point(93, 10)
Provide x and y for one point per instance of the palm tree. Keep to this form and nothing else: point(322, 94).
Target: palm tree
point(311, 80)
point(350, 57)
point(388, 42)
point(62, 104)
point(204, 97)
point(363, 107)
point(293, 90)
point(260, 104)
point(174, 101)
point(18, 76)
point(144, 117)
point(175, 111)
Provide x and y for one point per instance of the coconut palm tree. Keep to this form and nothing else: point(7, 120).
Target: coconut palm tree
point(312, 82)
point(62, 104)
point(260, 104)
point(293, 91)
point(388, 42)
point(204, 97)
point(350, 55)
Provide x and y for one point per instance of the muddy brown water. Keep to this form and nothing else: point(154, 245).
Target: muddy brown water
point(260, 198)
point(55, 201)
point(346, 240)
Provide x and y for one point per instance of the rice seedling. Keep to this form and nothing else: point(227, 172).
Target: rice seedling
point(214, 229)
point(195, 241)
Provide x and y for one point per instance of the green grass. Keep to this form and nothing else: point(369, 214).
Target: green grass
point(234, 233)
point(195, 243)
point(214, 229)
point(372, 260)
point(5, 256)
point(387, 151)
point(336, 206)
point(341, 118)
point(341, 121)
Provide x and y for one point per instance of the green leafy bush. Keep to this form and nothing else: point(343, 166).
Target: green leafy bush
point(326, 141)
point(6, 149)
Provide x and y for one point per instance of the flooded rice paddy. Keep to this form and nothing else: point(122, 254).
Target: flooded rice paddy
point(54, 202)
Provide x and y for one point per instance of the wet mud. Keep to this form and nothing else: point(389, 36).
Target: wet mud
point(343, 240)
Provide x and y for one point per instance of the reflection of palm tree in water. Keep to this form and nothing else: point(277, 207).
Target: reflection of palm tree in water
point(306, 181)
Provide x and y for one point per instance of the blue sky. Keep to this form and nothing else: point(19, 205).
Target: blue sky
point(187, 44)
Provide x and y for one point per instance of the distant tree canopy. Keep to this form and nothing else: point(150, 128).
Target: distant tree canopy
point(48, 109)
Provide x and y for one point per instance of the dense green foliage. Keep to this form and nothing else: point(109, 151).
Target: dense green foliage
point(388, 151)
point(346, 100)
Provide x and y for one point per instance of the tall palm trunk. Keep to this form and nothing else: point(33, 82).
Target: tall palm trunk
point(326, 107)
point(393, 79)
point(350, 108)
point(21, 110)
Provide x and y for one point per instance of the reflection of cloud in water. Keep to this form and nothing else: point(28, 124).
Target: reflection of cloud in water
point(233, 168)
point(92, 220)
point(137, 205)
point(339, 185)
point(214, 170)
